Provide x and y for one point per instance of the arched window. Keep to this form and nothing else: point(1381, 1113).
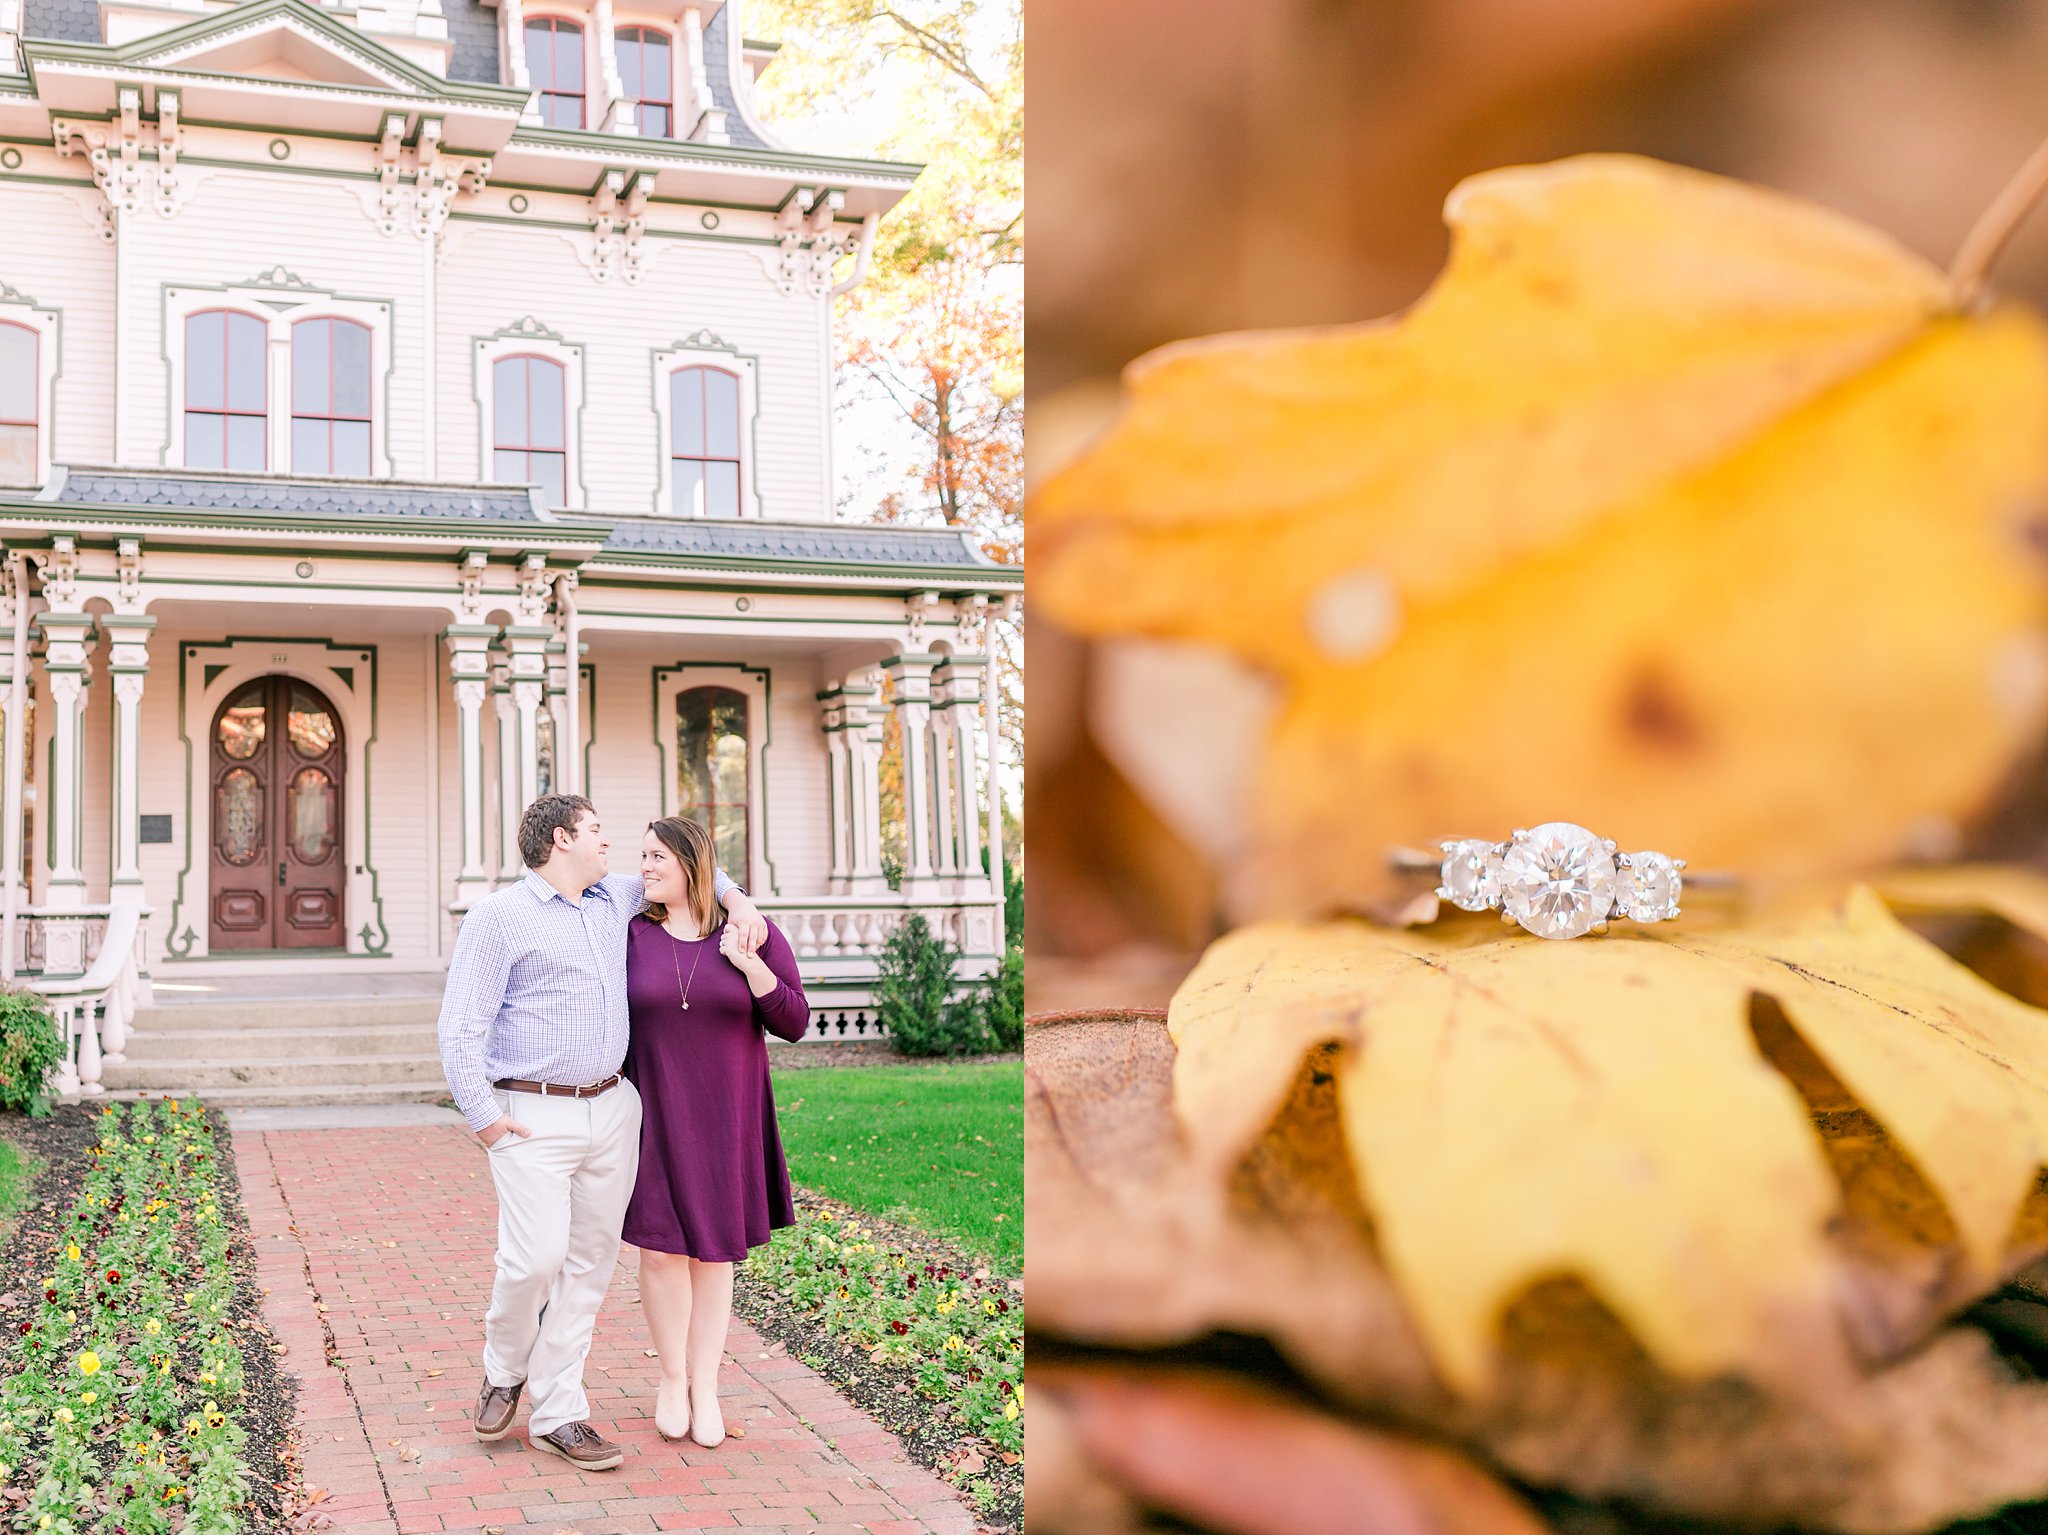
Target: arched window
point(20, 383)
point(226, 394)
point(331, 397)
point(704, 421)
point(554, 61)
point(711, 768)
point(647, 74)
point(529, 433)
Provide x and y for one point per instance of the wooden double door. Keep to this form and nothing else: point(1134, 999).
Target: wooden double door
point(278, 872)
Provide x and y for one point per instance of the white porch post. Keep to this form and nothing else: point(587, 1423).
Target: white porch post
point(861, 704)
point(529, 674)
point(66, 667)
point(509, 803)
point(910, 687)
point(838, 782)
point(945, 843)
point(128, 665)
point(15, 753)
point(569, 733)
point(962, 683)
point(555, 712)
point(469, 670)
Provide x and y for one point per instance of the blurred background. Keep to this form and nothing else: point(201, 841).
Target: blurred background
point(1211, 167)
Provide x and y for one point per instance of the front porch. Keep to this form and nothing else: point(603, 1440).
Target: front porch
point(315, 748)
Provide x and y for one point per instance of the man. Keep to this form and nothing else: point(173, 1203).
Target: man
point(533, 1033)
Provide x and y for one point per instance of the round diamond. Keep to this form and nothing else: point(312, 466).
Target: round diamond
point(1647, 890)
point(1471, 877)
point(1557, 880)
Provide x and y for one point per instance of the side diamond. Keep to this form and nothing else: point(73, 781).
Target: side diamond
point(1471, 875)
point(1648, 888)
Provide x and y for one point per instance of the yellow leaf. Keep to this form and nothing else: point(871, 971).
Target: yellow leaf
point(1519, 1110)
point(1676, 506)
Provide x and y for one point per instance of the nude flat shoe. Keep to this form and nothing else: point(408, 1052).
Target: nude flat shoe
point(707, 1425)
point(671, 1419)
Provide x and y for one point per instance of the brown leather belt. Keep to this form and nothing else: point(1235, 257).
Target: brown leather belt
point(516, 1085)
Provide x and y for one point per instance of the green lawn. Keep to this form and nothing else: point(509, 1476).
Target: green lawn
point(941, 1145)
point(17, 1173)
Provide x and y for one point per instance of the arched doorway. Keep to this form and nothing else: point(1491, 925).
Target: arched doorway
point(277, 757)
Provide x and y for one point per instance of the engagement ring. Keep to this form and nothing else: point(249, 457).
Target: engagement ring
point(1556, 880)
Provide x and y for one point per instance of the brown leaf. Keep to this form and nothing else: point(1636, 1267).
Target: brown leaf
point(1125, 1252)
point(1224, 1454)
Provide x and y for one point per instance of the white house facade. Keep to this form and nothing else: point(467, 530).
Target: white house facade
point(412, 406)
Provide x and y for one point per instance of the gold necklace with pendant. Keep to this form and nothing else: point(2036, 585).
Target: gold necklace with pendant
point(683, 986)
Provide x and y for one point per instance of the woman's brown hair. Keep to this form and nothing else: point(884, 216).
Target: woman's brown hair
point(690, 845)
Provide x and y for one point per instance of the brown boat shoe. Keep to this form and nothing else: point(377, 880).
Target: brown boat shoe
point(581, 1445)
point(495, 1407)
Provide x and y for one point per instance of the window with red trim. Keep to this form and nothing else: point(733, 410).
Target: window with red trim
point(704, 452)
point(20, 390)
point(226, 393)
point(554, 62)
point(331, 397)
point(647, 74)
point(529, 431)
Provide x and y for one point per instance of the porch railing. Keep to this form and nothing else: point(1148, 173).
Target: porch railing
point(838, 940)
point(95, 1011)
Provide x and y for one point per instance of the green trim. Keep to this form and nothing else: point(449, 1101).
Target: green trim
point(345, 40)
point(179, 946)
point(587, 719)
point(767, 739)
point(550, 534)
point(683, 151)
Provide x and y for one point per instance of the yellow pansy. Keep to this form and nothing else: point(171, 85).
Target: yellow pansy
point(88, 1363)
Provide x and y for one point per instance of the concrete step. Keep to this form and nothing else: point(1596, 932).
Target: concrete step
point(203, 1076)
point(337, 1014)
point(250, 1097)
point(281, 1042)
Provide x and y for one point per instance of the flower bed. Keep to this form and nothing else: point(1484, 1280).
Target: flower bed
point(123, 1408)
point(899, 1312)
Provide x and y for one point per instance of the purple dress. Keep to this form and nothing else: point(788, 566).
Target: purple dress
point(712, 1180)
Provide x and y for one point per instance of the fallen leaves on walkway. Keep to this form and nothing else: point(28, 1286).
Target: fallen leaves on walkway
point(1551, 534)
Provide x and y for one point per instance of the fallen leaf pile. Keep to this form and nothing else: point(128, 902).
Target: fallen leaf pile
point(1681, 1220)
point(1679, 508)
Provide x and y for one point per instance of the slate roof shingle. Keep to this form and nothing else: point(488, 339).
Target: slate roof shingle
point(62, 21)
point(473, 42)
point(718, 76)
point(824, 541)
point(329, 498)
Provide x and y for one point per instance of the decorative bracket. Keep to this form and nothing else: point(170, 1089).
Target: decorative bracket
point(128, 568)
point(618, 218)
point(972, 620)
point(808, 241)
point(474, 562)
point(915, 607)
point(390, 147)
point(167, 140)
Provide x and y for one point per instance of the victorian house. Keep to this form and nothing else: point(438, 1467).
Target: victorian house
point(408, 407)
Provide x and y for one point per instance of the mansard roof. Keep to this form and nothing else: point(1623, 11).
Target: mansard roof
point(295, 497)
point(70, 74)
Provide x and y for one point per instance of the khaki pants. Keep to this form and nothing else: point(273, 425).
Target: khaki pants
point(562, 1195)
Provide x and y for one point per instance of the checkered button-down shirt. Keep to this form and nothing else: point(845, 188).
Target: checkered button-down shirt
point(537, 988)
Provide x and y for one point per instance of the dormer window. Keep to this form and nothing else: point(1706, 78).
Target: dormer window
point(331, 397)
point(554, 62)
point(226, 398)
point(647, 75)
point(20, 375)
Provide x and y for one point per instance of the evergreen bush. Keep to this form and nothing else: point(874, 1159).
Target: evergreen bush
point(1005, 1001)
point(915, 995)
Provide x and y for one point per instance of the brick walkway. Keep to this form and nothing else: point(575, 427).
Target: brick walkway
point(375, 1246)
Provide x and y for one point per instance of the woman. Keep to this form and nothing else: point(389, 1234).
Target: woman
point(712, 1181)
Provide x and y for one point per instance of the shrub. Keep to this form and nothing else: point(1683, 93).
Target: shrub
point(1005, 1001)
point(29, 1049)
point(914, 994)
point(1013, 904)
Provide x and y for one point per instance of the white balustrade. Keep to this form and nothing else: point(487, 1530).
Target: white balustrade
point(839, 939)
point(95, 1012)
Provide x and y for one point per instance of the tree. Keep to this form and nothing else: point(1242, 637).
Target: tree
point(933, 340)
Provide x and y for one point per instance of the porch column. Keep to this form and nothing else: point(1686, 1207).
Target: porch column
point(554, 715)
point(960, 680)
point(509, 803)
point(860, 707)
point(945, 844)
point(529, 675)
point(128, 664)
point(469, 670)
point(910, 688)
point(66, 637)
